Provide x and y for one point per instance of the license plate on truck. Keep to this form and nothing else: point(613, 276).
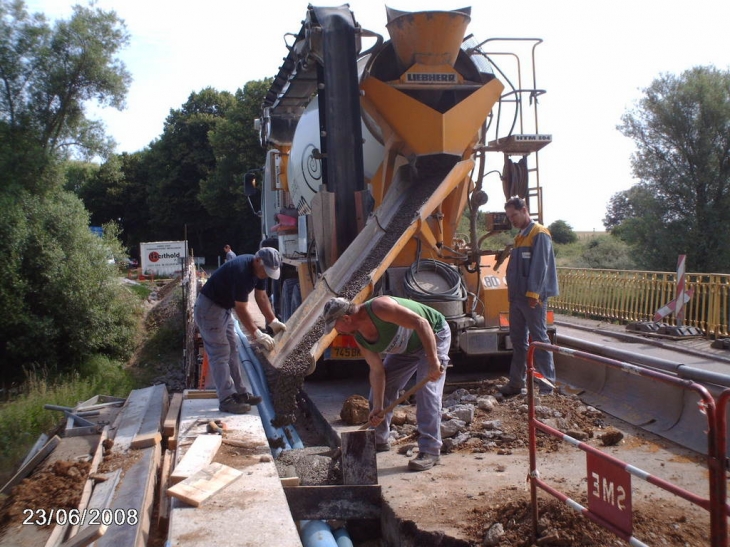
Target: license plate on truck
point(343, 348)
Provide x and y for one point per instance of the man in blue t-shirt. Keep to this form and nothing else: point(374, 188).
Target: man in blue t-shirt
point(227, 290)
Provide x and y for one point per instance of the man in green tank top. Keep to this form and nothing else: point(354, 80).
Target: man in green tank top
point(415, 340)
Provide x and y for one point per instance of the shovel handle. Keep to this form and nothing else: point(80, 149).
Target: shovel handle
point(400, 399)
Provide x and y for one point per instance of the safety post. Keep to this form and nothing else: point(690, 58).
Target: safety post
point(608, 470)
point(722, 403)
point(679, 311)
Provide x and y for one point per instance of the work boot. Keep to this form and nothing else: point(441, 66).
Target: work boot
point(248, 398)
point(232, 405)
point(423, 461)
point(508, 390)
point(382, 447)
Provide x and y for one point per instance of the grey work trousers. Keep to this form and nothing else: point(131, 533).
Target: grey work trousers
point(399, 368)
point(217, 329)
point(525, 322)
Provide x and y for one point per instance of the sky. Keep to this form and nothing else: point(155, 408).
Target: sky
point(594, 62)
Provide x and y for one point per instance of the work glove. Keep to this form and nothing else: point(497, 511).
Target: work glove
point(277, 326)
point(264, 339)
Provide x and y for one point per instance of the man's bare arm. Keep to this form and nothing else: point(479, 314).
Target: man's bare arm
point(262, 299)
point(389, 310)
point(377, 384)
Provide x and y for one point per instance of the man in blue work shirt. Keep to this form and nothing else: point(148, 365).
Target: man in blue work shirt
point(531, 279)
point(227, 290)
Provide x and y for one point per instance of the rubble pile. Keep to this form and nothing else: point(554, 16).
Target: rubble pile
point(481, 419)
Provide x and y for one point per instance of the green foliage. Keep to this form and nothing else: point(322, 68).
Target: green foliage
point(237, 148)
point(607, 252)
point(682, 133)
point(602, 251)
point(117, 190)
point(140, 291)
point(562, 232)
point(67, 304)
point(178, 162)
point(47, 74)
point(188, 183)
point(103, 377)
point(496, 241)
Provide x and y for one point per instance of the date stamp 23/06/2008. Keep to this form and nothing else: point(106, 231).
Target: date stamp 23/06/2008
point(80, 517)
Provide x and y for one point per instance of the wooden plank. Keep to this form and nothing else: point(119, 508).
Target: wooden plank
point(169, 427)
point(334, 502)
point(290, 481)
point(200, 486)
point(200, 454)
point(149, 430)
point(101, 498)
point(86, 537)
point(82, 430)
point(131, 418)
point(163, 510)
point(101, 406)
point(359, 464)
point(104, 491)
point(134, 498)
point(200, 394)
point(146, 440)
point(86, 493)
point(42, 440)
point(26, 469)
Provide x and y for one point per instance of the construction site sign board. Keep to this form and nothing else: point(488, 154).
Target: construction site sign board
point(163, 258)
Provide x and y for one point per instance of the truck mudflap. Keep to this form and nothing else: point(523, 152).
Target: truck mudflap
point(402, 214)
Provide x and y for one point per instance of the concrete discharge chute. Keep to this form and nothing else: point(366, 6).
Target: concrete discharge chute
point(378, 154)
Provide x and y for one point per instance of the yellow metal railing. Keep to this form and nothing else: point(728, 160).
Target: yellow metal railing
point(625, 296)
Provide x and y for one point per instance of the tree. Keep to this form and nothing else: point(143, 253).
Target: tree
point(606, 252)
point(47, 75)
point(682, 133)
point(62, 300)
point(237, 149)
point(66, 304)
point(178, 163)
point(562, 232)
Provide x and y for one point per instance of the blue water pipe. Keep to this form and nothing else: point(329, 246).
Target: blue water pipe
point(316, 533)
point(265, 408)
point(342, 537)
point(291, 433)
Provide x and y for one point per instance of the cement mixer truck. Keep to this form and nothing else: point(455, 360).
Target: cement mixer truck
point(376, 149)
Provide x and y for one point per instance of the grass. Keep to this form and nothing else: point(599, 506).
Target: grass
point(140, 289)
point(23, 420)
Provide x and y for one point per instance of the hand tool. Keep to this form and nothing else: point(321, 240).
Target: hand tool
point(403, 397)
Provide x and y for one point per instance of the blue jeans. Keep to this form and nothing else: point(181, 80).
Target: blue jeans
point(525, 321)
point(399, 368)
point(217, 329)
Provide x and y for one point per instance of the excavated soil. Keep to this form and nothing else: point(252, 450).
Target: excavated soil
point(479, 494)
point(55, 487)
